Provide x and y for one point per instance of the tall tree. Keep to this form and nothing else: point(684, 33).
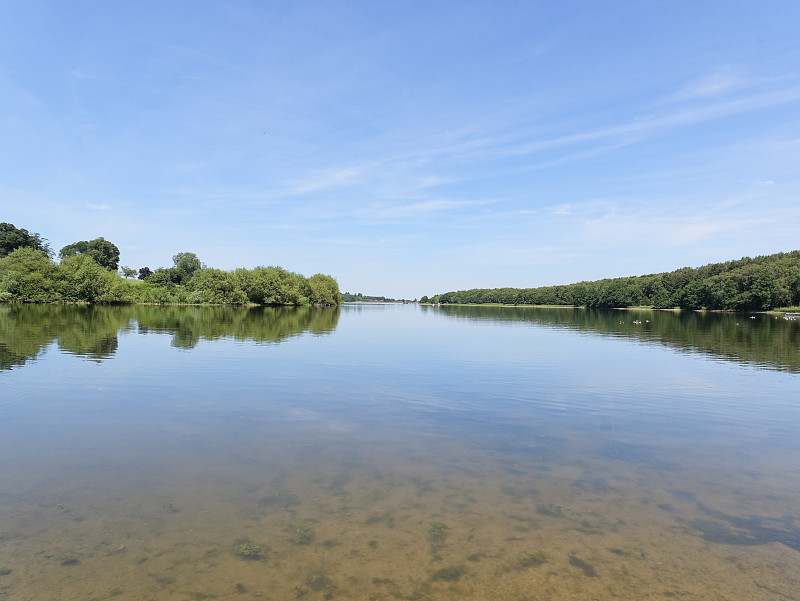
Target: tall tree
point(103, 252)
point(12, 238)
point(186, 264)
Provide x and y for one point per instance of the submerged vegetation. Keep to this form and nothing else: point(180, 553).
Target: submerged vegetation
point(249, 551)
point(438, 532)
point(449, 574)
point(303, 535)
point(67, 559)
point(87, 273)
point(757, 284)
point(530, 559)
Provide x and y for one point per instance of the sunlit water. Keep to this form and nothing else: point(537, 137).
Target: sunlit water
point(397, 452)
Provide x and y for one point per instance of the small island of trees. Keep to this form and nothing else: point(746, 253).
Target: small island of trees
point(89, 272)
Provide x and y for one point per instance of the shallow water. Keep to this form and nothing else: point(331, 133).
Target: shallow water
point(397, 452)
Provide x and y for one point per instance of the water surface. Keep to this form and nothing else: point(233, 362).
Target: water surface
point(397, 452)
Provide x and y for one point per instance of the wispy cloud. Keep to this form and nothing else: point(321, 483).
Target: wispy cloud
point(564, 209)
point(329, 178)
point(423, 208)
point(98, 207)
point(723, 81)
point(81, 75)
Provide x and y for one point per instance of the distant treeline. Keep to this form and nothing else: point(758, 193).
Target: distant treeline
point(757, 284)
point(347, 297)
point(88, 273)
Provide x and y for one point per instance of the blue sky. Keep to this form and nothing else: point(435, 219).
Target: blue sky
point(406, 148)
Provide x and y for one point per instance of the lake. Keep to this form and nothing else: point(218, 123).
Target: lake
point(379, 452)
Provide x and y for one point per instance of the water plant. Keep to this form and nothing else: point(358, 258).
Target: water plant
point(583, 566)
point(551, 509)
point(449, 574)
point(303, 534)
point(438, 531)
point(530, 559)
point(4, 571)
point(249, 551)
point(67, 559)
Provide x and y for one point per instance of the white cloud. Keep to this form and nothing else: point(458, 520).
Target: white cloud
point(332, 178)
point(563, 209)
point(420, 208)
point(715, 84)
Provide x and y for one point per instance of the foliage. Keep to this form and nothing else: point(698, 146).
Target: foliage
point(186, 264)
point(103, 252)
point(273, 286)
point(12, 238)
point(88, 273)
point(323, 290)
point(84, 280)
point(347, 297)
point(746, 284)
point(128, 272)
point(29, 275)
point(217, 287)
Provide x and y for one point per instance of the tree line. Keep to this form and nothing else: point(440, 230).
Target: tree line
point(357, 297)
point(747, 284)
point(88, 272)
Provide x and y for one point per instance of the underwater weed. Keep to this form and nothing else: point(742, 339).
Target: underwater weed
point(449, 574)
point(551, 509)
point(530, 559)
point(249, 551)
point(438, 531)
point(303, 535)
point(67, 559)
point(585, 567)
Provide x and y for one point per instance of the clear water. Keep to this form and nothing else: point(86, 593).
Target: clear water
point(397, 452)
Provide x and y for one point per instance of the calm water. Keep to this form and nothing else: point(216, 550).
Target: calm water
point(397, 452)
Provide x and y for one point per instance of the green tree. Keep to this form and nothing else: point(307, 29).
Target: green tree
point(84, 280)
point(103, 252)
point(217, 286)
point(128, 272)
point(324, 290)
point(28, 275)
point(274, 286)
point(186, 264)
point(12, 238)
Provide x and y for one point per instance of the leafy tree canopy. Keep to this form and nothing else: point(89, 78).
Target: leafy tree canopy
point(128, 272)
point(103, 252)
point(187, 264)
point(12, 238)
